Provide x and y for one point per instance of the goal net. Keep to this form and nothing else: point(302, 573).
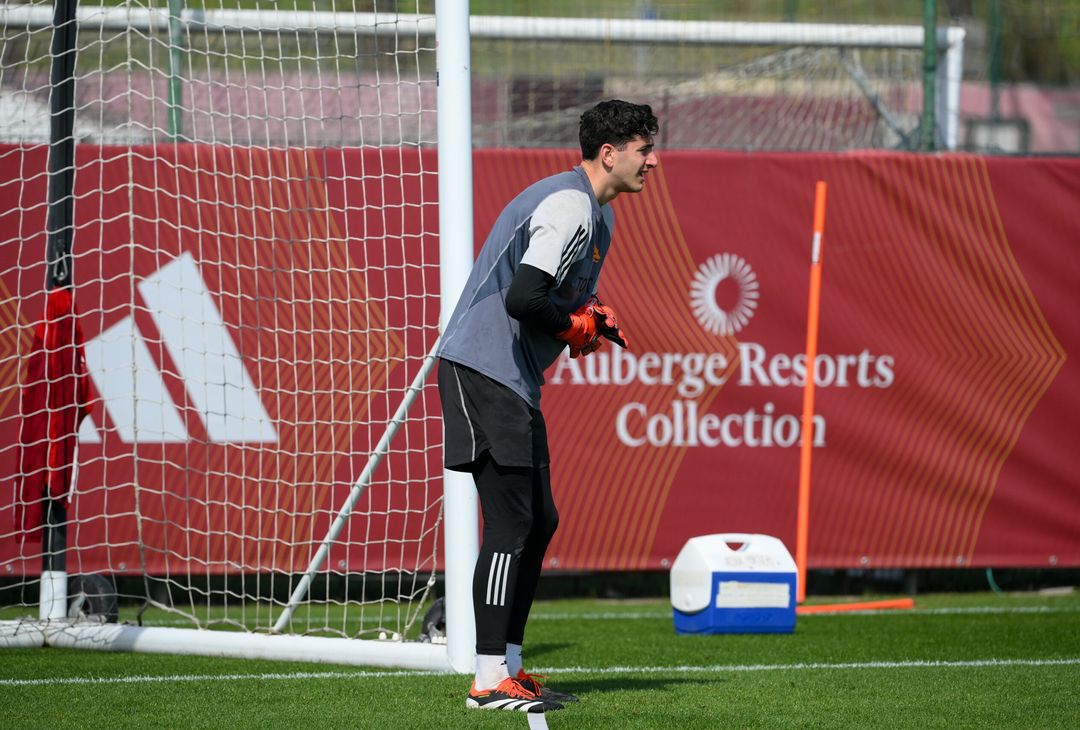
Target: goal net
point(256, 272)
point(256, 266)
point(750, 86)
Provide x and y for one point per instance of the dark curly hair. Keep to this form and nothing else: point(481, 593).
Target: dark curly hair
point(614, 122)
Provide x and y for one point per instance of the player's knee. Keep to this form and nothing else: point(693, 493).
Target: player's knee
point(508, 536)
point(544, 526)
point(550, 523)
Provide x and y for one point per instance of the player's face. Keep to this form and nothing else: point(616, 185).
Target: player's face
point(632, 163)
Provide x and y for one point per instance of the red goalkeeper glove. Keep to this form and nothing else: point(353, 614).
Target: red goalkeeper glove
point(588, 324)
point(607, 324)
point(581, 335)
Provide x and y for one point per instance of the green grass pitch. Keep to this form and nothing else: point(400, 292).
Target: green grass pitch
point(970, 660)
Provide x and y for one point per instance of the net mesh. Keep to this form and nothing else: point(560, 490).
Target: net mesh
point(711, 95)
point(255, 271)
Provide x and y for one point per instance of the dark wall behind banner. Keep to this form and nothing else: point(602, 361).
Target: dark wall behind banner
point(947, 376)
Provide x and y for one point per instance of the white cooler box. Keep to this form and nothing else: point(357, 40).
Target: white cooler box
point(733, 583)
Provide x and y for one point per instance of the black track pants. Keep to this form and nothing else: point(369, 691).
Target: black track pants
point(519, 521)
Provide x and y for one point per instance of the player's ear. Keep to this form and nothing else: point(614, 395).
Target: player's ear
point(607, 154)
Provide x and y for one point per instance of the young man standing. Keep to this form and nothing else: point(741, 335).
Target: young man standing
point(532, 292)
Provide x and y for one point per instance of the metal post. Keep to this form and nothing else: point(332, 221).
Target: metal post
point(176, 59)
point(52, 602)
point(929, 121)
point(995, 60)
point(460, 503)
point(59, 231)
point(950, 73)
point(61, 144)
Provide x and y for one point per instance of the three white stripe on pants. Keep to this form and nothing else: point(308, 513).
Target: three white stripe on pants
point(497, 579)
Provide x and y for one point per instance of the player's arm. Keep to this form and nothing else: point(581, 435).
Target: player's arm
point(557, 238)
point(557, 234)
point(528, 302)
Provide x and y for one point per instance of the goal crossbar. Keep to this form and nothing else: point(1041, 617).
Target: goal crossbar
point(846, 35)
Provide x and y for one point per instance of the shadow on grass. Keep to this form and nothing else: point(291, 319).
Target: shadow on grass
point(607, 684)
point(584, 688)
point(532, 651)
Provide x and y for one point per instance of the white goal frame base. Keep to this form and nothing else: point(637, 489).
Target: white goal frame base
point(83, 634)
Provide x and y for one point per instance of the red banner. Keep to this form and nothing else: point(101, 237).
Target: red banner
point(252, 318)
point(945, 395)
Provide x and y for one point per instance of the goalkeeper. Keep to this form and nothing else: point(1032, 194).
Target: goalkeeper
point(532, 293)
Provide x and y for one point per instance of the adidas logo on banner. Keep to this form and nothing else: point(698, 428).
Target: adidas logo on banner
point(218, 386)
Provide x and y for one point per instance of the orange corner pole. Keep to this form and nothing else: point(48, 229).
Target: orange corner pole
point(802, 524)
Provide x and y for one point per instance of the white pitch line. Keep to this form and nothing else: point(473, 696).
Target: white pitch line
point(631, 615)
point(159, 678)
point(968, 610)
point(816, 666)
point(711, 669)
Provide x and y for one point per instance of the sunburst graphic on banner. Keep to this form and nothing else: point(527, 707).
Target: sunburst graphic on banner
point(710, 276)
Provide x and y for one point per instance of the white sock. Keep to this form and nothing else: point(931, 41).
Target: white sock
point(490, 671)
point(513, 659)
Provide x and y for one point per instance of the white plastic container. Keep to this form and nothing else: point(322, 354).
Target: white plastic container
point(733, 583)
